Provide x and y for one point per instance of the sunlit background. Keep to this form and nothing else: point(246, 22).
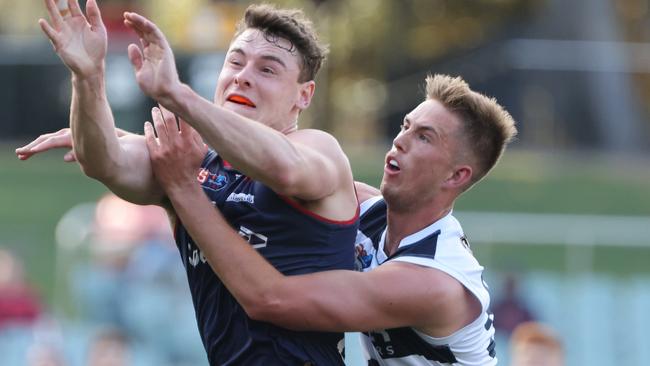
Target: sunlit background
point(562, 225)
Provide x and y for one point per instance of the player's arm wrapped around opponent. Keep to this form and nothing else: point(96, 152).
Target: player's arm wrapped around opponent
point(393, 295)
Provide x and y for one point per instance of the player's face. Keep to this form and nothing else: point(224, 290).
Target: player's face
point(421, 160)
point(259, 80)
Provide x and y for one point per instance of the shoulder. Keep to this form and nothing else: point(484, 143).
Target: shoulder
point(318, 140)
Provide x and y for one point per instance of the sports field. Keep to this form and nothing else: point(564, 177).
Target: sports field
point(558, 279)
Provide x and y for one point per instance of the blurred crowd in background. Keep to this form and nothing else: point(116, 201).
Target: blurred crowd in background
point(575, 75)
point(121, 295)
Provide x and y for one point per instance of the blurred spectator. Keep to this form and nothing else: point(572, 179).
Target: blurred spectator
point(534, 344)
point(134, 267)
point(44, 355)
point(46, 348)
point(109, 347)
point(510, 310)
point(19, 303)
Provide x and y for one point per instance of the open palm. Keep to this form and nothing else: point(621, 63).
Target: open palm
point(155, 68)
point(79, 41)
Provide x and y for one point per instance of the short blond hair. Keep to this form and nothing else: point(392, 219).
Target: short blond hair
point(487, 126)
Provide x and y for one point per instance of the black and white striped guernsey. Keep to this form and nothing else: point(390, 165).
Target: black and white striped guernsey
point(443, 246)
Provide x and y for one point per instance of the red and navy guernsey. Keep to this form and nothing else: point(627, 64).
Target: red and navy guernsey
point(293, 240)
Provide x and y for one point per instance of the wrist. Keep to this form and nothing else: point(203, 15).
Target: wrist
point(181, 189)
point(94, 77)
point(174, 97)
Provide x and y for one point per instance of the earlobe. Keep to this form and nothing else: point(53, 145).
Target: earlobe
point(306, 93)
point(461, 177)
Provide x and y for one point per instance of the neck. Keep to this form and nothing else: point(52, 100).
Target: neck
point(290, 128)
point(401, 224)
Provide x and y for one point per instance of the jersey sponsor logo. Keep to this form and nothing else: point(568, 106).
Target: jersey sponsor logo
point(463, 240)
point(404, 342)
point(258, 241)
point(241, 197)
point(363, 259)
point(196, 257)
point(212, 181)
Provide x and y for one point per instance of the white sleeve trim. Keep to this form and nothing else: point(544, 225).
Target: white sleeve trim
point(365, 205)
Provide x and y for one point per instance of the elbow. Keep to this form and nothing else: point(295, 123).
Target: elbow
point(274, 308)
point(104, 172)
point(286, 180)
point(94, 171)
point(89, 169)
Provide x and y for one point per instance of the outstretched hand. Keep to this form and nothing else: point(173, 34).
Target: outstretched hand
point(176, 154)
point(55, 140)
point(79, 40)
point(154, 65)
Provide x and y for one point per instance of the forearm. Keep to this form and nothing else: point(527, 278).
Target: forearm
point(93, 130)
point(316, 302)
point(247, 275)
point(259, 151)
point(121, 163)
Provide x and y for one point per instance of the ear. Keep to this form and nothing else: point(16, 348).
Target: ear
point(460, 178)
point(306, 93)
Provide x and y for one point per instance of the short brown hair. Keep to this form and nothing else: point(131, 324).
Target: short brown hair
point(290, 24)
point(488, 127)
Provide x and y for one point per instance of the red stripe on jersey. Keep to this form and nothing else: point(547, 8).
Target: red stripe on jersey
point(307, 212)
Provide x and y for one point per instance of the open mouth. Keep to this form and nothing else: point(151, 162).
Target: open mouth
point(393, 165)
point(238, 99)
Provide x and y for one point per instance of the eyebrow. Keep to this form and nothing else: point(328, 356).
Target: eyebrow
point(425, 128)
point(264, 57)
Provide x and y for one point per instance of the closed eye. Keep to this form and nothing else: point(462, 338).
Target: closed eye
point(235, 62)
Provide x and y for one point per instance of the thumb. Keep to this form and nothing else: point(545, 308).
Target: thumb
point(135, 56)
point(69, 157)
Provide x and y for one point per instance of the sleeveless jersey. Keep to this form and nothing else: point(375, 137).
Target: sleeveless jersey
point(293, 240)
point(441, 245)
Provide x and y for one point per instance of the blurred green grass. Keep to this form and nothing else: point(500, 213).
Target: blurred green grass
point(34, 194)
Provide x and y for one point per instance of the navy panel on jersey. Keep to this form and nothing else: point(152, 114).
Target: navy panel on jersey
point(373, 221)
point(424, 248)
point(402, 342)
point(293, 242)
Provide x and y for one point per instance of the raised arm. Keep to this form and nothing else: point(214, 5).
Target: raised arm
point(307, 165)
point(81, 43)
point(396, 294)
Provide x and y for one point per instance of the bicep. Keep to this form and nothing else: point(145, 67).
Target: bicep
point(392, 295)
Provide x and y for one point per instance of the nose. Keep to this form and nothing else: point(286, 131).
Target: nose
point(400, 142)
point(243, 77)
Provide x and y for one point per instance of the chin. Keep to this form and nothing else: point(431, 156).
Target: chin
point(388, 193)
point(242, 111)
